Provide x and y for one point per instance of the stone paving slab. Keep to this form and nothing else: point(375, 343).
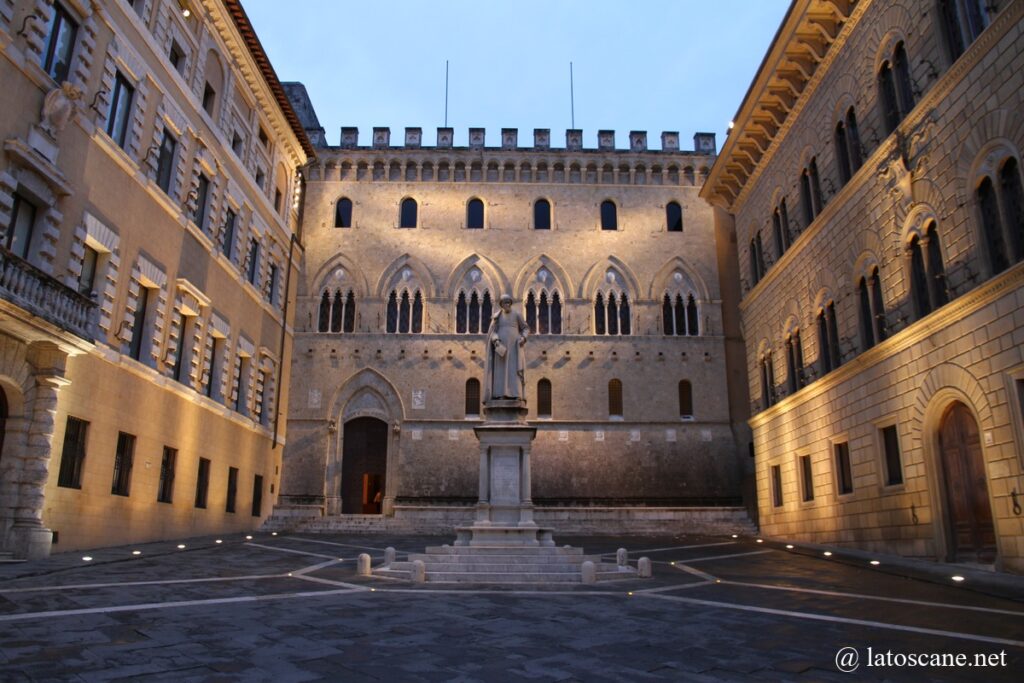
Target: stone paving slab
point(680, 625)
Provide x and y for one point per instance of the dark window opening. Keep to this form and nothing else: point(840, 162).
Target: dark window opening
point(807, 480)
point(776, 486)
point(165, 490)
point(343, 213)
point(674, 217)
point(893, 466)
point(257, 495)
point(475, 214)
point(685, 399)
point(123, 464)
point(408, 213)
point(202, 482)
point(21, 226)
point(615, 398)
point(60, 44)
point(120, 110)
point(472, 397)
point(229, 505)
point(609, 215)
point(165, 162)
point(72, 457)
point(202, 201)
point(542, 215)
point(209, 98)
point(844, 472)
point(544, 396)
point(140, 326)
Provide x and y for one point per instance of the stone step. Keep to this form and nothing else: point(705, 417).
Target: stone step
point(491, 567)
point(504, 577)
point(524, 551)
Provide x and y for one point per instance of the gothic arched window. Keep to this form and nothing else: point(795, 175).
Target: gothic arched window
point(1001, 205)
point(794, 362)
point(473, 312)
point(405, 312)
point(337, 312)
point(612, 314)
point(679, 315)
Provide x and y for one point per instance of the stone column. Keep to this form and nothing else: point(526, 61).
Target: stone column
point(29, 539)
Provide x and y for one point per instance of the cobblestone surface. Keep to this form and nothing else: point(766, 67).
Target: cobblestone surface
point(291, 608)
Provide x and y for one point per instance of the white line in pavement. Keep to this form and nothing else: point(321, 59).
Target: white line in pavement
point(295, 552)
point(836, 620)
point(170, 605)
point(329, 582)
point(665, 589)
point(905, 601)
point(119, 584)
point(720, 557)
point(314, 567)
point(340, 545)
point(678, 547)
point(696, 572)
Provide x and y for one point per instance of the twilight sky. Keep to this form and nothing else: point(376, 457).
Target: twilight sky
point(654, 65)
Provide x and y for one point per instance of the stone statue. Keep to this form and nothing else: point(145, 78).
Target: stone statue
point(504, 378)
point(58, 107)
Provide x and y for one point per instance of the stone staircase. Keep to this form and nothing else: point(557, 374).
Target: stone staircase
point(503, 565)
point(8, 557)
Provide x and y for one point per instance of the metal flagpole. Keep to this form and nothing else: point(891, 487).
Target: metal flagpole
point(572, 100)
point(446, 93)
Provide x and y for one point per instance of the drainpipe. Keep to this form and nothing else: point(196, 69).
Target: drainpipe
point(284, 326)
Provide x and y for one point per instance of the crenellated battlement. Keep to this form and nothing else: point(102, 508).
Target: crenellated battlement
point(703, 143)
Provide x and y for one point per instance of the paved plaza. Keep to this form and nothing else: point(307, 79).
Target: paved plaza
point(292, 608)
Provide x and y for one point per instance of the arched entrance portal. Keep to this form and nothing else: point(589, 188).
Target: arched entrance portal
point(364, 461)
point(972, 535)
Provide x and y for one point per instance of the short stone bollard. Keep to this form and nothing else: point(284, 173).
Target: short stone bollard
point(419, 571)
point(643, 568)
point(363, 565)
point(589, 572)
point(389, 556)
point(622, 557)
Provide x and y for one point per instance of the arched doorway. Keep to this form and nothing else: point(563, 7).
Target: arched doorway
point(971, 531)
point(364, 461)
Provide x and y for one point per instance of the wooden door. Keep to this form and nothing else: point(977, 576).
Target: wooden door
point(363, 465)
point(971, 530)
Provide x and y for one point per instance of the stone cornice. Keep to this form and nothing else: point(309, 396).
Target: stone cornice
point(916, 332)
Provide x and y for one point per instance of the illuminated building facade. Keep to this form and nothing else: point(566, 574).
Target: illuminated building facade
point(873, 179)
point(611, 257)
point(149, 200)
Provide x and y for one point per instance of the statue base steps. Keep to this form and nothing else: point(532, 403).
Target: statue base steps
point(537, 565)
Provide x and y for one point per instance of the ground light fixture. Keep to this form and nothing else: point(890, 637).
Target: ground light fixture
point(86, 558)
point(218, 541)
point(789, 546)
point(760, 540)
point(958, 578)
point(735, 535)
point(136, 552)
point(827, 553)
point(181, 546)
point(248, 538)
point(875, 563)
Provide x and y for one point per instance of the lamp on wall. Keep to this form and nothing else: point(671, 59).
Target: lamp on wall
point(23, 31)
point(332, 427)
point(95, 100)
point(186, 11)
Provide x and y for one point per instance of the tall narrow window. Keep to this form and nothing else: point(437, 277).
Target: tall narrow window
point(794, 362)
point(475, 214)
point(951, 27)
point(599, 314)
point(692, 319)
point(556, 313)
point(806, 479)
point(609, 215)
point(780, 230)
point(1012, 195)
point(685, 399)
point(919, 280)
point(407, 219)
point(140, 326)
point(60, 44)
point(72, 457)
point(542, 215)
point(181, 359)
point(257, 495)
point(252, 271)
point(87, 278)
point(417, 313)
point(165, 489)
point(893, 465)
point(867, 328)
point(853, 141)
point(337, 312)
point(123, 457)
point(260, 398)
point(877, 305)
point(272, 281)
point(936, 270)
point(165, 162)
point(324, 314)
point(343, 213)
point(474, 313)
point(227, 242)
point(757, 263)
point(391, 325)
point(202, 201)
point(842, 153)
point(544, 398)
point(668, 324)
point(806, 200)
point(21, 226)
point(767, 381)
point(472, 397)
point(674, 217)
point(215, 376)
point(828, 339)
point(776, 486)
point(904, 86)
point(202, 482)
point(349, 325)
point(461, 314)
point(833, 334)
point(615, 398)
point(119, 115)
point(232, 493)
point(812, 170)
point(844, 472)
point(209, 98)
point(887, 97)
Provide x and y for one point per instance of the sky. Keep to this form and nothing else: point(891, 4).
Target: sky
point(654, 65)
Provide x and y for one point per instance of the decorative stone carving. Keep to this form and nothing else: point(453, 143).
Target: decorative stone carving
point(58, 108)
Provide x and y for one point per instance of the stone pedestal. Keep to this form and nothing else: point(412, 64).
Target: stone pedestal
point(504, 511)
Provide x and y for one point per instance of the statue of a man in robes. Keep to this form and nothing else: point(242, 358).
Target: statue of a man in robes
point(504, 378)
